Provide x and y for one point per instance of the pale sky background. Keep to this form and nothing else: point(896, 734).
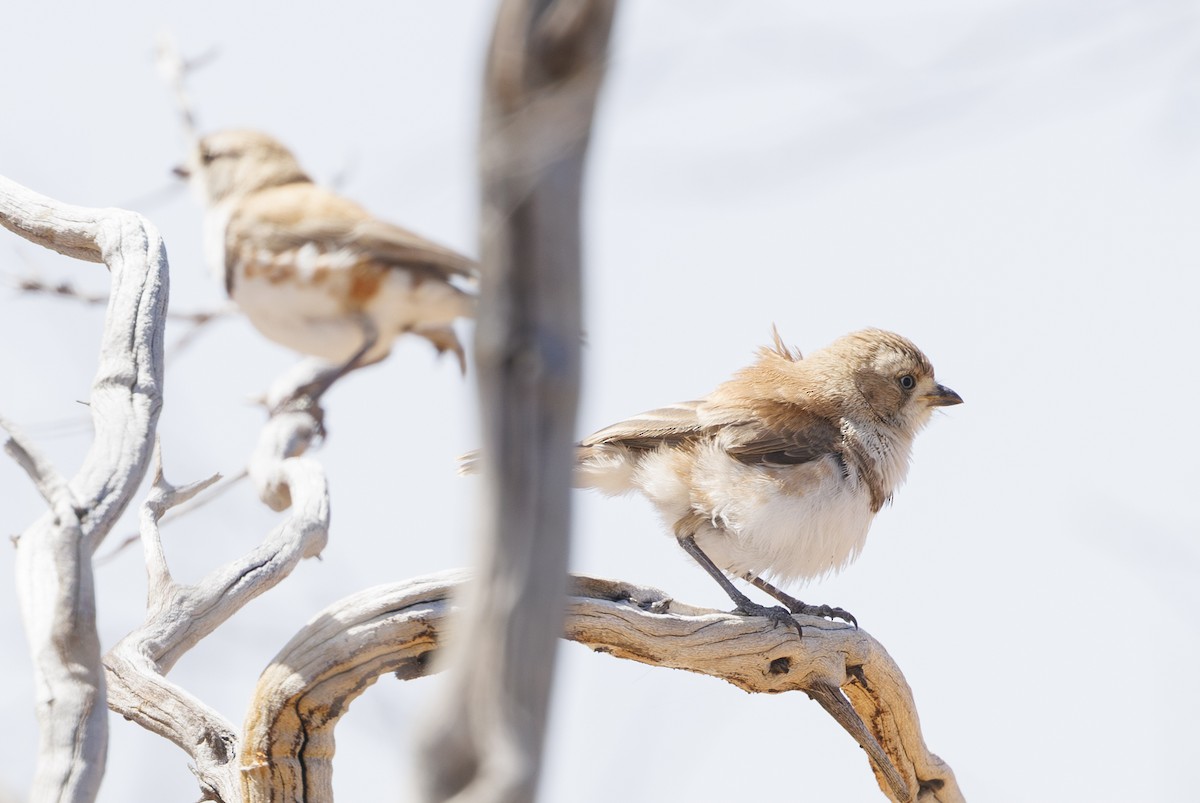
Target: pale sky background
point(1010, 184)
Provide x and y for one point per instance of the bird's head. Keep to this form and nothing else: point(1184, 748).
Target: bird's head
point(883, 377)
point(231, 163)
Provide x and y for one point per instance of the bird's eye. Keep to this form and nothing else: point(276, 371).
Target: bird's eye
point(907, 382)
point(207, 157)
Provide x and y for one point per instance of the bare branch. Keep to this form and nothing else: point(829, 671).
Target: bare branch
point(295, 422)
point(179, 616)
point(54, 567)
point(50, 484)
point(288, 748)
point(173, 70)
point(179, 511)
point(134, 669)
point(30, 284)
point(163, 497)
point(199, 320)
point(69, 230)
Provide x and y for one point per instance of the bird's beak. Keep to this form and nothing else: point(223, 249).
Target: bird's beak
point(942, 396)
point(181, 171)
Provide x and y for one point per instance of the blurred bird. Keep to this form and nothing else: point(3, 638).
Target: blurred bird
point(778, 472)
point(314, 271)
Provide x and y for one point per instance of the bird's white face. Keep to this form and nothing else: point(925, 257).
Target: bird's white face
point(902, 391)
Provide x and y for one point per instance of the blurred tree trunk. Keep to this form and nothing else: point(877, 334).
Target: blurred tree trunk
point(483, 741)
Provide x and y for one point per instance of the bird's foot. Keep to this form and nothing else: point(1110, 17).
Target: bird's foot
point(823, 611)
point(776, 613)
point(796, 606)
point(303, 401)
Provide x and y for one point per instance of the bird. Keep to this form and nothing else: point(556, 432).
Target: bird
point(777, 474)
point(315, 271)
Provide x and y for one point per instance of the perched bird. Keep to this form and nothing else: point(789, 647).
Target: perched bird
point(314, 271)
point(779, 471)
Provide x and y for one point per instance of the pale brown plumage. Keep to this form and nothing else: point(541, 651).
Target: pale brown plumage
point(781, 469)
point(316, 271)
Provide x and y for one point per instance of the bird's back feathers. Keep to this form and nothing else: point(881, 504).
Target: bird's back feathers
point(672, 424)
point(759, 435)
point(280, 219)
point(315, 271)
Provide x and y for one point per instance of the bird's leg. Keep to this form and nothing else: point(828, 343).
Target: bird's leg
point(311, 393)
point(777, 614)
point(370, 337)
point(796, 606)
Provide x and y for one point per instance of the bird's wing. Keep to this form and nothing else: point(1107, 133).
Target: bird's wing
point(802, 439)
point(395, 245)
point(282, 218)
point(672, 424)
point(770, 437)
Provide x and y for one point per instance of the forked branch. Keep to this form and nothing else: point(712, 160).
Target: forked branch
point(179, 616)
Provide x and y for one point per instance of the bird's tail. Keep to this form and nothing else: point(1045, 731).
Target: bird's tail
point(471, 463)
point(468, 463)
point(444, 339)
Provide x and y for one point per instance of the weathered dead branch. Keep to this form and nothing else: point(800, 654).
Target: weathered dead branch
point(398, 628)
point(179, 616)
point(54, 555)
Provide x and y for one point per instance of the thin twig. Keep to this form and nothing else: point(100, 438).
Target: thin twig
point(178, 510)
point(64, 289)
point(163, 497)
point(52, 485)
point(174, 70)
point(198, 320)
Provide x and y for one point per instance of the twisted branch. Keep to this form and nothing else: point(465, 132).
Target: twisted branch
point(54, 555)
point(288, 748)
point(179, 616)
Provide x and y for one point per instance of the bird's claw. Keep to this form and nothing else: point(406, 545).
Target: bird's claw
point(303, 401)
point(824, 612)
point(776, 613)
